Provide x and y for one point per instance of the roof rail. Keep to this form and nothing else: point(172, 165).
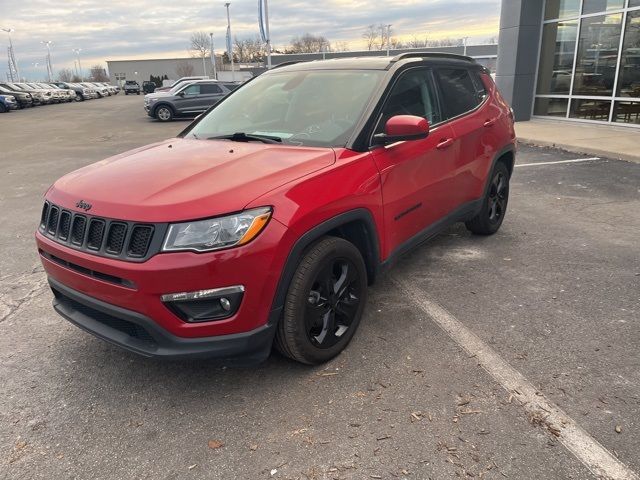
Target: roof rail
point(454, 56)
point(286, 64)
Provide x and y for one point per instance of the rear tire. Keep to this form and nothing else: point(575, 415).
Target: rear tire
point(324, 303)
point(494, 204)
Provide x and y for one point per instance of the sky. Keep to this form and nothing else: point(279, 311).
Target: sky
point(126, 29)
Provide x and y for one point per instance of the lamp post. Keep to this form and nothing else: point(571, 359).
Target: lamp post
point(77, 52)
point(266, 23)
point(49, 65)
point(464, 42)
point(213, 58)
point(13, 64)
point(388, 38)
point(229, 44)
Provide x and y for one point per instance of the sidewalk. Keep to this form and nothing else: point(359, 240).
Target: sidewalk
point(600, 140)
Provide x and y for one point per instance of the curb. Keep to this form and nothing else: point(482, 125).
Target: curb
point(581, 150)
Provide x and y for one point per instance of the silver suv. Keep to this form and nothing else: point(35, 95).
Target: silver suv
point(187, 100)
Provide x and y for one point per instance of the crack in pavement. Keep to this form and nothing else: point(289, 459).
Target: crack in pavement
point(34, 282)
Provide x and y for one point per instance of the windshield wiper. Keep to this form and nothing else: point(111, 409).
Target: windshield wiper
point(244, 137)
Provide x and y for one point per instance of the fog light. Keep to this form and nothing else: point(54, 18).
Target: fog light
point(205, 305)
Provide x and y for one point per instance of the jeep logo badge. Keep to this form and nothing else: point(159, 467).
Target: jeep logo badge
point(84, 205)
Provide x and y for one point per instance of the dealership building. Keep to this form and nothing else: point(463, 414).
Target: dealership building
point(577, 60)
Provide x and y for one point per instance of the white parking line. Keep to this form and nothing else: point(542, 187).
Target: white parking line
point(540, 409)
point(577, 160)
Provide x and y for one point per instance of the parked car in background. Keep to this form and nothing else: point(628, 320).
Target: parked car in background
point(187, 101)
point(148, 87)
point(113, 90)
point(23, 99)
point(131, 87)
point(179, 81)
point(56, 95)
point(40, 97)
point(8, 102)
point(69, 95)
point(82, 93)
point(101, 90)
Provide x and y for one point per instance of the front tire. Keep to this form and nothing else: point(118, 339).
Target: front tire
point(164, 113)
point(494, 205)
point(324, 303)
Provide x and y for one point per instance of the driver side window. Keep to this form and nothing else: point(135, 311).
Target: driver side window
point(412, 94)
point(192, 90)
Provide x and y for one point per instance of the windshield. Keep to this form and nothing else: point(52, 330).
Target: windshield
point(313, 108)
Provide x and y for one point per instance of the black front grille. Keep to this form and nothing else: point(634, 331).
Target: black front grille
point(65, 225)
point(52, 223)
point(77, 232)
point(96, 232)
point(106, 237)
point(139, 242)
point(115, 238)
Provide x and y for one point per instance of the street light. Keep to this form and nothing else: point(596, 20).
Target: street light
point(77, 52)
point(13, 64)
point(229, 44)
point(213, 58)
point(388, 38)
point(49, 65)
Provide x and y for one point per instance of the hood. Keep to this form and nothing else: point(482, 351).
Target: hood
point(182, 179)
point(157, 94)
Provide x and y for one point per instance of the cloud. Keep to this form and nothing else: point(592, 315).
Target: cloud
point(121, 29)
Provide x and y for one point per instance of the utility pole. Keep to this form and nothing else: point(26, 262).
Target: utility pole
point(49, 65)
point(388, 38)
point(266, 21)
point(13, 64)
point(77, 52)
point(464, 42)
point(213, 58)
point(229, 44)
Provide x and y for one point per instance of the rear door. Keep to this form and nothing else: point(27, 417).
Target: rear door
point(464, 98)
point(415, 174)
point(210, 94)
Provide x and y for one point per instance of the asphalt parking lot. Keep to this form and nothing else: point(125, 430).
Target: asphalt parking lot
point(550, 303)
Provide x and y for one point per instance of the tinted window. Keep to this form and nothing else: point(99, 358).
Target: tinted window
point(192, 90)
point(458, 91)
point(231, 86)
point(412, 94)
point(210, 88)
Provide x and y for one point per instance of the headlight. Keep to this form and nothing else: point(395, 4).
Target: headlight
point(217, 233)
point(152, 100)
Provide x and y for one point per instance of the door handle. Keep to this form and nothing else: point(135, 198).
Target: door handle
point(490, 122)
point(444, 143)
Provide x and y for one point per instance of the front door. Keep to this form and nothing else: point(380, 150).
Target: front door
point(415, 174)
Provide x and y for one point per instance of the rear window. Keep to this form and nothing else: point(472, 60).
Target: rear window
point(209, 88)
point(459, 91)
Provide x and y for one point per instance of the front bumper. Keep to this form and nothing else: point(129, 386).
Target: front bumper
point(11, 105)
point(140, 334)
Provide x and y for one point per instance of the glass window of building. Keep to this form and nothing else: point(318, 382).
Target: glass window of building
point(629, 76)
point(590, 109)
point(556, 57)
point(634, 3)
point(561, 9)
point(626, 112)
point(551, 107)
point(598, 45)
point(596, 6)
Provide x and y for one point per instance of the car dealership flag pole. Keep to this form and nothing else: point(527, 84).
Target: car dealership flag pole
point(213, 58)
point(263, 22)
point(229, 44)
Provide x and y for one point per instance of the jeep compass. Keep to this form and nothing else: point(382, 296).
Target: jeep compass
point(263, 222)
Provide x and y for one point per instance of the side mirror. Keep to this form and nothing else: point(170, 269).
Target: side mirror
point(402, 128)
point(181, 94)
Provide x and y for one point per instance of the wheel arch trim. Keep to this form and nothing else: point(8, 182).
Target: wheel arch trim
point(371, 254)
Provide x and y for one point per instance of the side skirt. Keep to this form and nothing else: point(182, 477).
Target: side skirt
point(461, 214)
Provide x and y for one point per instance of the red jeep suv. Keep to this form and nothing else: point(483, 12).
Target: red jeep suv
point(264, 221)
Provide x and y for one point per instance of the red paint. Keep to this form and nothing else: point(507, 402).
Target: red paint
point(406, 125)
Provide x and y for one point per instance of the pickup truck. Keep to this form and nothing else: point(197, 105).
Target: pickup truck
point(131, 86)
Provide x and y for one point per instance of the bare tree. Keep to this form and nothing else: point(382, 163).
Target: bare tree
point(249, 50)
point(370, 37)
point(340, 46)
point(98, 74)
point(309, 43)
point(201, 47)
point(76, 79)
point(375, 36)
point(416, 42)
point(65, 75)
point(184, 69)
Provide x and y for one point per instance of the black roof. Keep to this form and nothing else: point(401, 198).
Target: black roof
point(374, 63)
